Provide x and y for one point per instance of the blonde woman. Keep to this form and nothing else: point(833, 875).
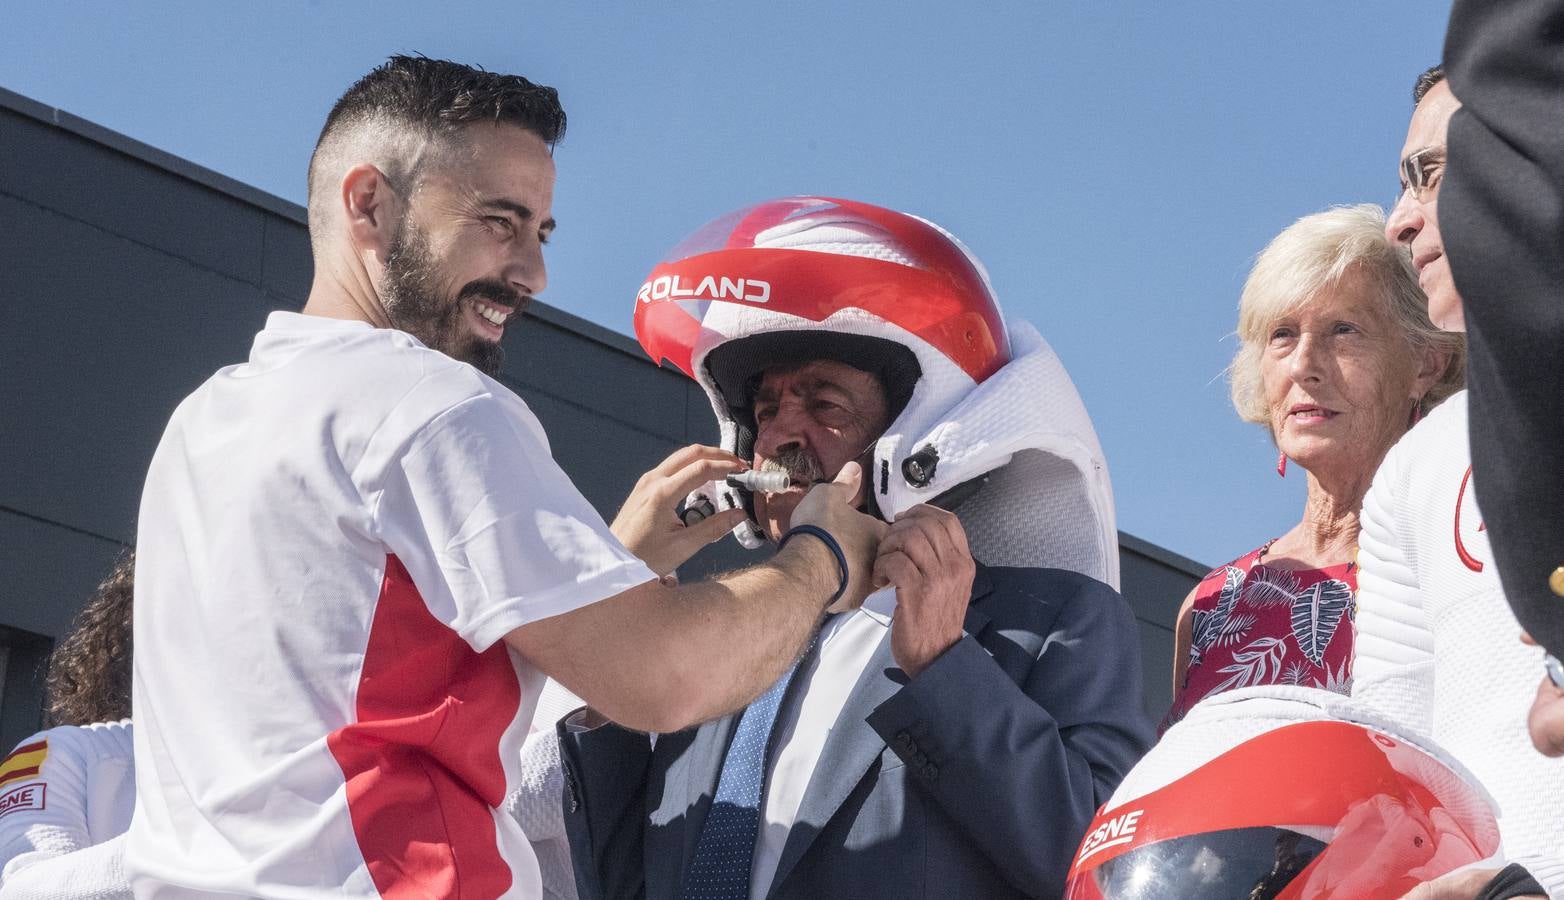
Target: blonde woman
point(1337, 359)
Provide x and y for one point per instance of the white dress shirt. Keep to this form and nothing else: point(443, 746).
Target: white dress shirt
point(845, 645)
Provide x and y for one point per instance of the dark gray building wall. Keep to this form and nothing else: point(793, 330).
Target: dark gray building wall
point(128, 276)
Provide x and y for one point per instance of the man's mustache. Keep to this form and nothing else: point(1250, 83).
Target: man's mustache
point(800, 466)
point(497, 292)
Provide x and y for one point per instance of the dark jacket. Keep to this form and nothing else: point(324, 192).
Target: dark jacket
point(1501, 215)
point(975, 779)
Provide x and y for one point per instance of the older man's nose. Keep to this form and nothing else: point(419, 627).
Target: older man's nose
point(783, 431)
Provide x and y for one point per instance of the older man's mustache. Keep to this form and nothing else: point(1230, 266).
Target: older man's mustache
point(798, 464)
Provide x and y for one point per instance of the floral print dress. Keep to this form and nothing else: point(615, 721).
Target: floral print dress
point(1259, 624)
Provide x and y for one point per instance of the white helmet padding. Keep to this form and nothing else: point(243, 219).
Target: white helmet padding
point(1048, 501)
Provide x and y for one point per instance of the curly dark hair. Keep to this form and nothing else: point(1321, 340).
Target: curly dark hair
point(89, 670)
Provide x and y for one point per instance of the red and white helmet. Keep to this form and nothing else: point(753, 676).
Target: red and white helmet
point(1285, 793)
point(815, 277)
point(897, 296)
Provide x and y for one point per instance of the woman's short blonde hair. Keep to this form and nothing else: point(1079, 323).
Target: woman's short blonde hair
point(1315, 254)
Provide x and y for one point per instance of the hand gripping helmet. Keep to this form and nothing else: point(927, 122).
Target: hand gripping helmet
point(1285, 793)
point(968, 393)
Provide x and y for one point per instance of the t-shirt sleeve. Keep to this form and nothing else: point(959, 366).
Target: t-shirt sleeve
point(43, 802)
point(493, 532)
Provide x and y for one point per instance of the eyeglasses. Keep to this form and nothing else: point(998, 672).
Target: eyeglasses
point(1421, 173)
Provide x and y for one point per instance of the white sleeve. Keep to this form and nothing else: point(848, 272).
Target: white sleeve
point(92, 873)
point(493, 532)
point(1549, 872)
point(1393, 655)
point(44, 815)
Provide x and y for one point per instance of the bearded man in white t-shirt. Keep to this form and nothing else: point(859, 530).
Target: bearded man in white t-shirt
point(357, 559)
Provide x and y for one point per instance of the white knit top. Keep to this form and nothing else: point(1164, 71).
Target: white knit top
point(1438, 649)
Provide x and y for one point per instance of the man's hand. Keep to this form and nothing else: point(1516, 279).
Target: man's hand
point(828, 505)
point(647, 523)
point(1546, 719)
point(1463, 885)
point(925, 555)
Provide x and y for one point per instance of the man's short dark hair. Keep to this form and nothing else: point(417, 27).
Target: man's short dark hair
point(1426, 82)
point(411, 104)
point(441, 96)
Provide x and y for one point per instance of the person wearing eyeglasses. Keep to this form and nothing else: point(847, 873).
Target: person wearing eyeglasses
point(1503, 215)
point(1438, 649)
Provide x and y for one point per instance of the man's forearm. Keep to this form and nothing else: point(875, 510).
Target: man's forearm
point(662, 659)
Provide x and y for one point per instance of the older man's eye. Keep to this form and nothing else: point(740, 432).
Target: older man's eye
point(499, 224)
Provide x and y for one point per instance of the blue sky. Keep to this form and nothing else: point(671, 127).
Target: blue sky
point(1115, 165)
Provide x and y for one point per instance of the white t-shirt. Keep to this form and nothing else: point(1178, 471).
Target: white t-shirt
point(62, 791)
point(1437, 648)
point(334, 539)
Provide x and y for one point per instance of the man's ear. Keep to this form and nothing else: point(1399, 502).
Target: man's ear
point(371, 209)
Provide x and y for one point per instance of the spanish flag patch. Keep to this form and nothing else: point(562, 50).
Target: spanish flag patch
point(24, 762)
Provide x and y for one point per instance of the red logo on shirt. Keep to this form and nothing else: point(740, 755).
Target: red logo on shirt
point(1467, 559)
point(28, 796)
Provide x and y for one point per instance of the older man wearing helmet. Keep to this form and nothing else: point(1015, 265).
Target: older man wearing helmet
point(952, 737)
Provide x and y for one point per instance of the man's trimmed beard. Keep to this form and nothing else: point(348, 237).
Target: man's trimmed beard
point(413, 298)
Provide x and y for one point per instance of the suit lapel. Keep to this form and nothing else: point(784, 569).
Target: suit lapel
point(853, 745)
point(849, 751)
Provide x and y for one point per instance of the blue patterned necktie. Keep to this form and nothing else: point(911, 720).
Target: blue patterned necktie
point(720, 869)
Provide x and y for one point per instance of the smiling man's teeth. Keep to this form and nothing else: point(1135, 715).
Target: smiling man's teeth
point(497, 316)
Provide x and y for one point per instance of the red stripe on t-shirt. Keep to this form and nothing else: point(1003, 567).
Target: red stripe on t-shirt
point(422, 762)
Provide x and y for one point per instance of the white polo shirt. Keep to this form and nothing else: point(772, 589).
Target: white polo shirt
point(334, 539)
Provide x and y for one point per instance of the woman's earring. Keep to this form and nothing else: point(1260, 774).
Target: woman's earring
point(1417, 412)
point(1281, 464)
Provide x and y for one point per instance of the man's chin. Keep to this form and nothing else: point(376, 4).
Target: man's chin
point(482, 355)
point(774, 512)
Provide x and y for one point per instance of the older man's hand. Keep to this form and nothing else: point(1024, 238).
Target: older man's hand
point(925, 555)
point(648, 524)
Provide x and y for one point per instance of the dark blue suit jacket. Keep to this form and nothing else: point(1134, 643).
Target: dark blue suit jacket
point(975, 779)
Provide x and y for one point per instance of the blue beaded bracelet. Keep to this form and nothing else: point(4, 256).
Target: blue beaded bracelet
point(1555, 670)
point(831, 544)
